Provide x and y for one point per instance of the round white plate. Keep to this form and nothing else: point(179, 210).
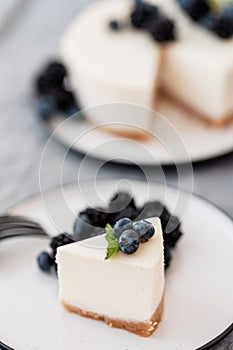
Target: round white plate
point(199, 285)
point(199, 140)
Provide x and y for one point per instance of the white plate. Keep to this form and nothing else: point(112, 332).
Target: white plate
point(197, 140)
point(199, 285)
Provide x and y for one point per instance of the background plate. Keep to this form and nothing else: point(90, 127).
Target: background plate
point(199, 287)
point(201, 140)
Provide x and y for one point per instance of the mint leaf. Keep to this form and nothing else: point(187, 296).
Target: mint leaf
point(113, 245)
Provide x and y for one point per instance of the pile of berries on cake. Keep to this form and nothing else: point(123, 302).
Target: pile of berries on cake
point(129, 225)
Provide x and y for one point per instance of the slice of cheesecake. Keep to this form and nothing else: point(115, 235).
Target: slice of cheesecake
point(128, 66)
point(126, 291)
point(112, 67)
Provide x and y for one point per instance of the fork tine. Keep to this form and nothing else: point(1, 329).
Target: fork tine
point(20, 219)
point(16, 226)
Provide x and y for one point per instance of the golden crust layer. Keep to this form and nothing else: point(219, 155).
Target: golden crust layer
point(222, 121)
point(144, 329)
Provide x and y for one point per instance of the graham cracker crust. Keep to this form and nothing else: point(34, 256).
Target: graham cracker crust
point(222, 121)
point(143, 329)
point(127, 133)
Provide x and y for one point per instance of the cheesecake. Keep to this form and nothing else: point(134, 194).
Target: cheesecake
point(128, 66)
point(124, 288)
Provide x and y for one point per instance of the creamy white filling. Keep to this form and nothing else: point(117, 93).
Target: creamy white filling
point(125, 66)
point(124, 287)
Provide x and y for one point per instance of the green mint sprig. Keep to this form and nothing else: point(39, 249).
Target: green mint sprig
point(113, 245)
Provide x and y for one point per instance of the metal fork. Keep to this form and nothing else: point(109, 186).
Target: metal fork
point(18, 226)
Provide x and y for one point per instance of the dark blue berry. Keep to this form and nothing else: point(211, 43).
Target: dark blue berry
point(122, 222)
point(228, 11)
point(195, 8)
point(129, 242)
point(114, 25)
point(121, 226)
point(45, 262)
point(208, 21)
point(145, 230)
point(46, 107)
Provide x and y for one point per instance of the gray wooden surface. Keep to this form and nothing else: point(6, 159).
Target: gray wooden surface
point(28, 42)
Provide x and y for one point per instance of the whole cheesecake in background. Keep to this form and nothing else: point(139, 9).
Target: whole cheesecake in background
point(126, 291)
point(107, 66)
point(129, 66)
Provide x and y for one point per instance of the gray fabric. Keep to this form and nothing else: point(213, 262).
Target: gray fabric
point(28, 42)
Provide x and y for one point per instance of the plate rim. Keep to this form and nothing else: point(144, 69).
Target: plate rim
point(209, 345)
point(194, 160)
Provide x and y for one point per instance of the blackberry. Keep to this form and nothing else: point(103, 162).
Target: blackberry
point(41, 85)
point(128, 212)
point(97, 216)
point(141, 13)
point(153, 209)
point(55, 74)
point(64, 99)
point(171, 238)
point(129, 242)
point(163, 30)
point(120, 201)
point(59, 241)
point(196, 9)
point(171, 232)
point(167, 256)
point(45, 106)
point(223, 27)
point(45, 261)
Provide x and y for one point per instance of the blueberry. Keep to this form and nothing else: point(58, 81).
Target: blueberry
point(195, 8)
point(208, 21)
point(46, 107)
point(114, 25)
point(45, 261)
point(122, 222)
point(122, 225)
point(129, 242)
point(228, 11)
point(145, 230)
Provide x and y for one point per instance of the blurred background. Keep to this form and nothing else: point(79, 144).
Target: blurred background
point(29, 34)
